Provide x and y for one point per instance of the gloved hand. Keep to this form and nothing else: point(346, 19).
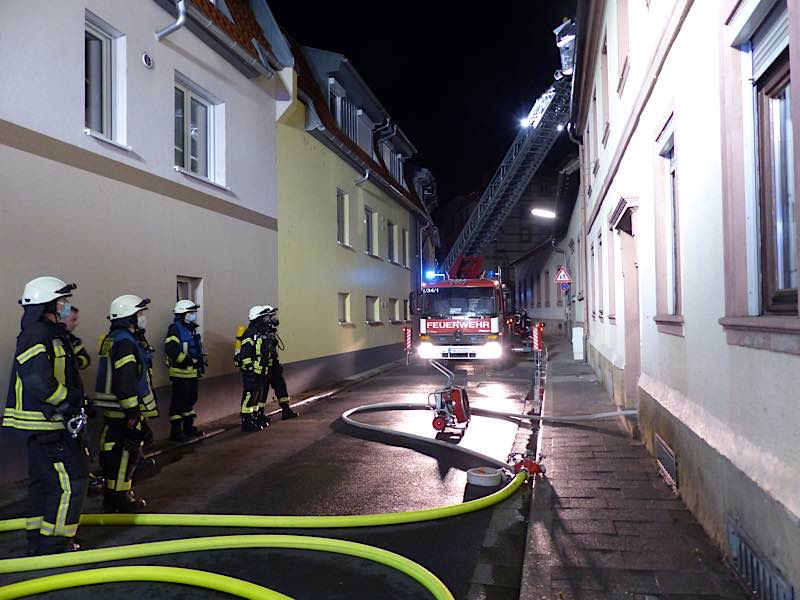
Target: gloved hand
point(66, 410)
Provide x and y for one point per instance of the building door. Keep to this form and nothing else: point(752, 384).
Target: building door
point(626, 227)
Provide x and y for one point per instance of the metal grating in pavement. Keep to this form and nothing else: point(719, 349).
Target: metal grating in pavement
point(666, 460)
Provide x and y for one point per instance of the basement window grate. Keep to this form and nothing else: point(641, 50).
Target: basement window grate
point(668, 465)
point(759, 576)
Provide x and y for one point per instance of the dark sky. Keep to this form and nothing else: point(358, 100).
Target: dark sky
point(455, 76)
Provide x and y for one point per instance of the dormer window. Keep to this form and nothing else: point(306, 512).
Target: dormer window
point(343, 109)
point(365, 127)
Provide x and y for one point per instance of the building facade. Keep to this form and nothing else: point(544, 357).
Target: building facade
point(136, 165)
point(352, 225)
point(684, 112)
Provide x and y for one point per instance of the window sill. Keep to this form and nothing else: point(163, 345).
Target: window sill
point(777, 334)
point(375, 256)
point(395, 322)
point(346, 324)
point(623, 75)
point(374, 323)
point(606, 131)
point(670, 324)
point(348, 246)
point(101, 138)
point(596, 166)
point(205, 180)
point(612, 319)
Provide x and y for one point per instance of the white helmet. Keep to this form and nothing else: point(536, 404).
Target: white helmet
point(126, 306)
point(270, 310)
point(184, 306)
point(258, 311)
point(45, 289)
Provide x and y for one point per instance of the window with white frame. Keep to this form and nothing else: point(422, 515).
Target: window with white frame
point(197, 128)
point(344, 307)
point(190, 288)
point(394, 310)
point(391, 253)
point(347, 117)
point(405, 310)
point(373, 312)
point(365, 126)
point(670, 229)
point(406, 249)
point(371, 225)
point(104, 80)
point(342, 218)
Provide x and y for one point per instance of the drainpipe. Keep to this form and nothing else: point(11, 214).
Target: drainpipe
point(173, 27)
point(363, 179)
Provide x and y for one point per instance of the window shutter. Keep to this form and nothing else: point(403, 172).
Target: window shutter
point(770, 39)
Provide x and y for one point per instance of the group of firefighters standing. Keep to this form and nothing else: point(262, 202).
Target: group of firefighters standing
point(47, 405)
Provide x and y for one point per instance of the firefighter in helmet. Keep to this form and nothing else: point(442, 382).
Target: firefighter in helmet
point(124, 393)
point(258, 360)
point(45, 405)
point(186, 362)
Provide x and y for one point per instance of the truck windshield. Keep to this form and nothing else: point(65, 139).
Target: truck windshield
point(458, 301)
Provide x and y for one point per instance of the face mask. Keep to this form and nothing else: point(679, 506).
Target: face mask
point(191, 317)
point(65, 311)
point(141, 322)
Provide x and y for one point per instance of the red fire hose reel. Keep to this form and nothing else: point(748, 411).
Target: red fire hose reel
point(450, 403)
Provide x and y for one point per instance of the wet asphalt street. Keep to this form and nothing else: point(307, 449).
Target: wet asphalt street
point(317, 465)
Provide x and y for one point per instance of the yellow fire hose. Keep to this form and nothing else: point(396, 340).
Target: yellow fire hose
point(222, 583)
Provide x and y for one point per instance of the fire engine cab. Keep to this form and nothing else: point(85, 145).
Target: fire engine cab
point(462, 319)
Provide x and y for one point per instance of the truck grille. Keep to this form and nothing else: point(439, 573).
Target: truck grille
point(474, 339)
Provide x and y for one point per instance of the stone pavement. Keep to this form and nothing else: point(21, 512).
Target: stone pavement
point(603, 523)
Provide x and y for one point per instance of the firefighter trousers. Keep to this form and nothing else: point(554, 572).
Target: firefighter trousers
point(184, 397)
point(120, 451)
point(274, 379)
point(252, 388)
point(58, 475)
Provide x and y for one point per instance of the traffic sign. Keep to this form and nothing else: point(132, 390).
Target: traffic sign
point(562, 276)
point(564, 287)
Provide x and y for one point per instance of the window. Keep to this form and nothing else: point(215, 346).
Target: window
point(538, 292)
point(104, 80)
point(394, 310)
point(365, 126)
point(671, 233)
point(612, 281)
point(591, 283)
point(342, 218)
point(97, 81)
point(600, 290)
point(405, 310)
point(390, 237)
point(623, 65)
point(777, 203)
point(604, 130)
point(547, 285)
point(344, 307)
point(371, 223)
point(347, 117)
point(373, 314)
point(197, 129)
point(406, 249)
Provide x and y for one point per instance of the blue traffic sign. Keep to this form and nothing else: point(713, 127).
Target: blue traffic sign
point(564, 287)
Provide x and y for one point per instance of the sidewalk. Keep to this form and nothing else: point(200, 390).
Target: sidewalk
point(603, 524)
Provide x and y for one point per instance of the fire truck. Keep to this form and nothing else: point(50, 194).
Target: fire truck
point(463, 319)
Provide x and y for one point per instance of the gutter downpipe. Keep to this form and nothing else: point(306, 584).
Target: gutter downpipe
point(363, 179)
point(173, 27)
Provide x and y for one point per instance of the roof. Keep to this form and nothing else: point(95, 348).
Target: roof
point(307, 83)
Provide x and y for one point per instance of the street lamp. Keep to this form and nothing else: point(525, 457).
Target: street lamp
point(543, 213)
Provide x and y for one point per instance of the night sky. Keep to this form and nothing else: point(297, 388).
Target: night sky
point(455, 76)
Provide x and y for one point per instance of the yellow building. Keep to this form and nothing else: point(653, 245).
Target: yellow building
point(350, 225)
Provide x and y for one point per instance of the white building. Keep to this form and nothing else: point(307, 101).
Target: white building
point(683, 110)
point(133, 165)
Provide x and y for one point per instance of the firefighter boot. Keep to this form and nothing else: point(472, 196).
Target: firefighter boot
point(176, 431)
point(123, 502)
point(262, 419)
point(189, 430)
point(55, 544)
point(287, 412)
point(249, 423)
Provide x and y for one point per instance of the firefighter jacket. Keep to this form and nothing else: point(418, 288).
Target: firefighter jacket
point(258, 350)
point(45, 385)
point(184, 349)
point(124, 376)
point(82, 356)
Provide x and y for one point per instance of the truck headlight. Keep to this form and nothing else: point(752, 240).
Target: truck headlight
point(494, 350)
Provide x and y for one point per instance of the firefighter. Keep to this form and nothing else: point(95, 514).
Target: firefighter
point(250, 361)
point(124, 393)
point(70, 324)
point(186, 362)
point(45, 405)
point(274, 373)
